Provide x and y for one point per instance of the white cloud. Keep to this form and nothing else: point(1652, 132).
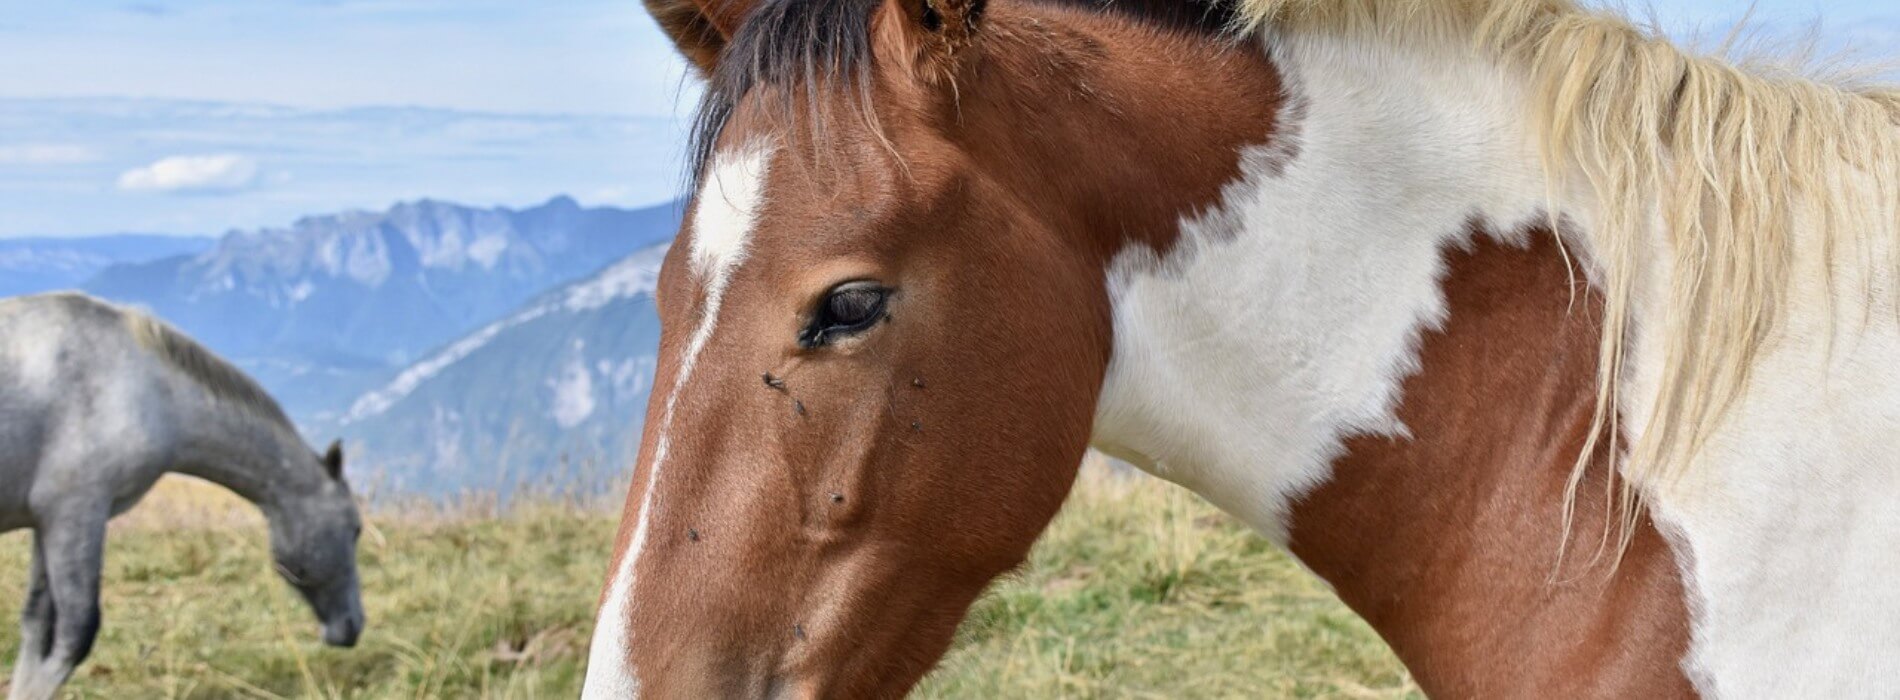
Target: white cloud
point(47, 154)
point(350, 159)
point(192, 174)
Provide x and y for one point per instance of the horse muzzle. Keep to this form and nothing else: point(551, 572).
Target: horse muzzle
point(343, 631)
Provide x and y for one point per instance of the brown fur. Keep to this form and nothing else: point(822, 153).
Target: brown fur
point(822, 532)
point(1447, 542)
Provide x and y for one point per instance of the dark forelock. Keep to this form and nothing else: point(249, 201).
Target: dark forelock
point(814, 45)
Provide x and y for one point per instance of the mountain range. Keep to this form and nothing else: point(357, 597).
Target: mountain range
point(454, 348)
point(322, 309)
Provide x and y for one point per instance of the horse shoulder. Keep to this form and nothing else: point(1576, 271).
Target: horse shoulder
point(1789, 512)
point(87, 424)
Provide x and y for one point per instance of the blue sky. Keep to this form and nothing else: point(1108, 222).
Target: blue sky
point(201, 116)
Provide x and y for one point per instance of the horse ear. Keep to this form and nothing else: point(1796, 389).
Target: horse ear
point(700, 28)
point(333, 460)
point(937, 31)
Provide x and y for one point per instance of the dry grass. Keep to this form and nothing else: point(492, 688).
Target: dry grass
point(1139, 590)
point(1142, 590)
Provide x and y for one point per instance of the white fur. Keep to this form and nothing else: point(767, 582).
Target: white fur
point(724, 217)
point(1286, 319)
point(1792, 513)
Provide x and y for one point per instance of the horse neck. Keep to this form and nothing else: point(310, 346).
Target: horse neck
point(255, 455)
point(1450, 538)
point(1372, 352)
point(1315, 275)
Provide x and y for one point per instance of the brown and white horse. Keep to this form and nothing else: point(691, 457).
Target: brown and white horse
point(1376, 277)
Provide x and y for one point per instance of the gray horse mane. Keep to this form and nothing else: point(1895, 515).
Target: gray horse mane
point(202, 366)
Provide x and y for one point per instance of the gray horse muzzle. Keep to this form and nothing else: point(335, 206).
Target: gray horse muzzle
point(343, 631)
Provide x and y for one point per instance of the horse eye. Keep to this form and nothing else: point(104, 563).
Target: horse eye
point(291, 575)
point(852, 306)
point(849, 308)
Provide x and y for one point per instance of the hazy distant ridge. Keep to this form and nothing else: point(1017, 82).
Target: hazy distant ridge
point(31, 265)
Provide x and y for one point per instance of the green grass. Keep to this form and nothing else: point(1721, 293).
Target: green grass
point(1138, 590)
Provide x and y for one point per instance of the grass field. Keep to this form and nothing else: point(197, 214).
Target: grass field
point(1139, 590)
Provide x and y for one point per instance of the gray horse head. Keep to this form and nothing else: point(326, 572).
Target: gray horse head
point(313, 545)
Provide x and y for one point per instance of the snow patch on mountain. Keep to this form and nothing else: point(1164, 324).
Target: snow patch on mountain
point(573, 389)
point(632, 276)
point(628, 378)
point(637, 274)
point(487, 250)
point(405, 383)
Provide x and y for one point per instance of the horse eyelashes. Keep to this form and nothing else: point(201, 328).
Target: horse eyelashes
point(848, 308)
point(854, 306)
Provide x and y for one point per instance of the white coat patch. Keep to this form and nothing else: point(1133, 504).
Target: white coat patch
point(1284, 321)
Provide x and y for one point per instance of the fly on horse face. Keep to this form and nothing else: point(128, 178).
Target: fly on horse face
point(1569, 359)
point(97, 403)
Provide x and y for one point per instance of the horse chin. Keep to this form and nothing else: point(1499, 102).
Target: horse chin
point(340, 611)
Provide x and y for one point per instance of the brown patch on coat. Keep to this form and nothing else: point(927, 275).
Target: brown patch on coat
point(1446, 541)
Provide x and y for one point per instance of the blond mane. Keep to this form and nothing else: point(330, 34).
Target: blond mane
point(1720, 163)
point(203, 367)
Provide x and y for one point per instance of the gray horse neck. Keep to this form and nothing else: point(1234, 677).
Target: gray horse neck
point(254, 455)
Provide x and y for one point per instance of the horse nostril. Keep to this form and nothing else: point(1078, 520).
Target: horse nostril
point(343, 633)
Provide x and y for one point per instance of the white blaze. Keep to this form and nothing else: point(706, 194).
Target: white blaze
point(723, 219)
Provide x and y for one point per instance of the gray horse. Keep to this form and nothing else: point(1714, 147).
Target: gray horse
point(97, 402)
